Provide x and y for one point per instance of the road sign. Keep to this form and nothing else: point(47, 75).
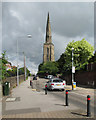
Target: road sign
point(73, 69)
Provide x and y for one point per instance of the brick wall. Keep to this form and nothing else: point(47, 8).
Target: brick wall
point(13, 80)
point(86, 78)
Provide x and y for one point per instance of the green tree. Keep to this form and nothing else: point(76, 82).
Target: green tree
point(4, 61)
point(12, 72)
point(28, 72)
point(48, 67)
point(83, 51)
point(93, 58)
point(39, 67)
point(21, 71)
point(2, 70)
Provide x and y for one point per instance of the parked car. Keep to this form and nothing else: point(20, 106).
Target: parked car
point(34, 78)
point(50, 76)
point(55, 83)
point(64, 83)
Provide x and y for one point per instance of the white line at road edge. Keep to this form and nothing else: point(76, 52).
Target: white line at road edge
point(79, 94)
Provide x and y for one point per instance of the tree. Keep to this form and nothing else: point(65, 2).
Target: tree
point(2, 70)
point(83, 51)
point(21, 71)
point(4, 61)
point(12, 72)
point(27, 72)
point(61, 62)
point(93, 59)
point(48, 67)
point(39, 67)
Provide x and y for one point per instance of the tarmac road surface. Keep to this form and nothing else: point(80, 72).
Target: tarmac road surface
point(77, 97)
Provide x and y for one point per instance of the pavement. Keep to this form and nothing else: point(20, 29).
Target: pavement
point(0, 100)
point(33, 103)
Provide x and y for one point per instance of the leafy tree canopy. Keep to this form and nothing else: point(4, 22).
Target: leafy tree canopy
point(4, 61)
point(48, 67)
point(83, 51)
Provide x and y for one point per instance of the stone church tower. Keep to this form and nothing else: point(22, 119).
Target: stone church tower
point(48, 48)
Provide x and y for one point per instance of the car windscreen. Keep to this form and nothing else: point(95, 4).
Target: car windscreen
point(58, 80)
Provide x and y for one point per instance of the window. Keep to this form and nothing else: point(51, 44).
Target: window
point(47, 54)
point(58, 80)
point(50, 53)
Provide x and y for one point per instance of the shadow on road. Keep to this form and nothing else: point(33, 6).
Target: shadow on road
point(54, 90)
point(60, 104)
point(79, 114)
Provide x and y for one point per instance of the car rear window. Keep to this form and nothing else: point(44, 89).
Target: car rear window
point(58, 80)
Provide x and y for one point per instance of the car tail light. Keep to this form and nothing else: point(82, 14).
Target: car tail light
point(63, 84)
point(52, 84)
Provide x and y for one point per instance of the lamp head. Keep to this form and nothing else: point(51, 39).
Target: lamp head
point(29, 36)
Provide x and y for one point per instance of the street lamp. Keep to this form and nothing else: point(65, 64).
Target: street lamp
point(17, 65)
point(73, 68)
point(28, 36)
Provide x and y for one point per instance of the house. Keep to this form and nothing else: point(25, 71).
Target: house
point(8, 66)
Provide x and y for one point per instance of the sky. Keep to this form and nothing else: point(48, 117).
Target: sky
point(69, 21)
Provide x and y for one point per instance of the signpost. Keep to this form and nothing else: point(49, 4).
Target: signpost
point(73, 72)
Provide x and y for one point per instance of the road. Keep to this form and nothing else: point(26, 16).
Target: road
point(77, 97)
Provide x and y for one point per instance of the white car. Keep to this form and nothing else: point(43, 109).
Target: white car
point(64, 83)
point(55, 83)
point(50, 76)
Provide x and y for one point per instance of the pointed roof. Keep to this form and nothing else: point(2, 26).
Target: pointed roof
point(48, 30)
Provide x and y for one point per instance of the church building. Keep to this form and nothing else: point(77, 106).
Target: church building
point(48, 47)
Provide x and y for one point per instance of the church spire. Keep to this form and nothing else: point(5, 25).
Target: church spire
point(48, 48)
point(48, 31)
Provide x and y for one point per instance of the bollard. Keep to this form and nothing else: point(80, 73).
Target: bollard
point(88, 106)
point(30, 83)
point(66, 97)
point(45, 89)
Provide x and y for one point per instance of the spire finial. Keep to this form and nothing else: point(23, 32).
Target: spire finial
point(48, 14)
point(48, 30)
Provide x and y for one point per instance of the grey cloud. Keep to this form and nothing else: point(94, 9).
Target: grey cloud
point(68, 21)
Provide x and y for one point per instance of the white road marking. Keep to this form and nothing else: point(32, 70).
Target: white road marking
point(79, 94)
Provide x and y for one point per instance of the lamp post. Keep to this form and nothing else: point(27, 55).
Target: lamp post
point(28, 36)
point(73, 69)
point(17, 65)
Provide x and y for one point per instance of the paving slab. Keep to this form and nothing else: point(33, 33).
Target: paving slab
point(53, 114)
